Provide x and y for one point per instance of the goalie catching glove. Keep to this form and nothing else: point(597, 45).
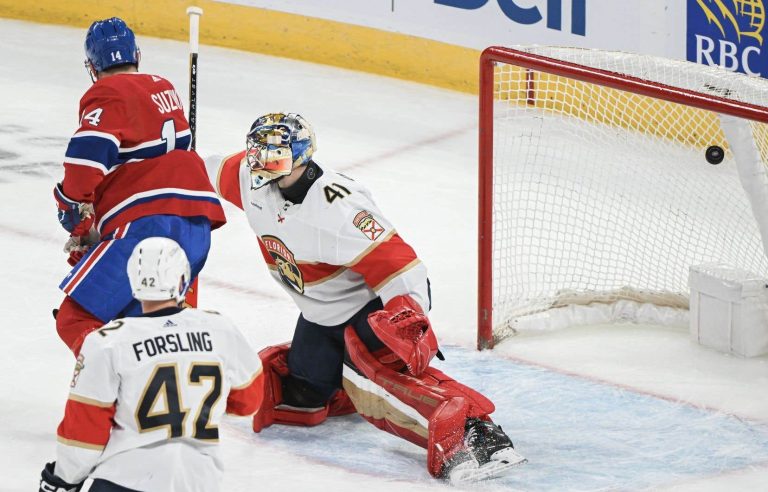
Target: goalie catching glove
point(75, 217)
point(405, 329)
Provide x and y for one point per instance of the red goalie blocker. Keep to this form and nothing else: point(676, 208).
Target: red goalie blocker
point(445, 403)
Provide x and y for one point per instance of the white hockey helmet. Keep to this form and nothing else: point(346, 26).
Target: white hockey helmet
point(276, 144)
point(158, 270)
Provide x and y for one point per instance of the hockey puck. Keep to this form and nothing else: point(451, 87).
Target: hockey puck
point(714, 154)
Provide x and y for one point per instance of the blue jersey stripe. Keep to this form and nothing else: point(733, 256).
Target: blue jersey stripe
point(182, 143)
point(101, 150)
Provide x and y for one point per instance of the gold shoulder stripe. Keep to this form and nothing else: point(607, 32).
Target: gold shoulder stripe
point(399, 272)
point(255, 375)
point(90, 401)
point(80, 444)
point(370, 248)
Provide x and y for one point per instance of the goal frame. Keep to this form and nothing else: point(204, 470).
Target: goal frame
point(494, 55)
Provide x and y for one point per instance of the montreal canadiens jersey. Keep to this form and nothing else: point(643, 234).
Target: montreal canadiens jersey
point(131, 155)
point(334, 252)
point(147, 397)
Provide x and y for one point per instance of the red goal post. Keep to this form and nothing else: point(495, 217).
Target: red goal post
point(532, 63)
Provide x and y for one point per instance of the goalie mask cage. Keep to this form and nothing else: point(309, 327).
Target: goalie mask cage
point(594, 187)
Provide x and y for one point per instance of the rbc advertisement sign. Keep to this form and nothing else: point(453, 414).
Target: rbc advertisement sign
point(729, 34)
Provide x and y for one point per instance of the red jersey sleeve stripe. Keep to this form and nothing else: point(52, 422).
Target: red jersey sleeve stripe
point(385, 261)
point(245, 400)
point(86, 422)
point(315, 273)
point(228, 180)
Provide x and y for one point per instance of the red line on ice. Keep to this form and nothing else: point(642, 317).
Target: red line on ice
point(412, 146)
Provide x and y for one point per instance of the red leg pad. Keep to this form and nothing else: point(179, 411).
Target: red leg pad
point(445, 403)
point(340, 404)
point(275, 362)
point(303, 417)
point(478, 406)
point(74, 323)
point(446, 433)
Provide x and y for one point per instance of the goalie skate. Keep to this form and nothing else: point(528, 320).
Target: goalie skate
point(499, 464)
point(488, 453)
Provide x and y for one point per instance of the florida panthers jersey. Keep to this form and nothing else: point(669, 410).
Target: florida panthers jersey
point(334, 252)
point(147, 397)
point(131, 155)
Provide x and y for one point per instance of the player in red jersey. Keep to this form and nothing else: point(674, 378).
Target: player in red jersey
point(129, 173)
point(363, 341)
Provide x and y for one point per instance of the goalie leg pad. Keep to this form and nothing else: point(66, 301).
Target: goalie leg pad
point(74, 323)
point(340, 404)
point(302, 407)
point(274, 361)
point(429, 410)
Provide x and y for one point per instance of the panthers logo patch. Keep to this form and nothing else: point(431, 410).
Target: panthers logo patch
point(286, 264)
point(367, 224)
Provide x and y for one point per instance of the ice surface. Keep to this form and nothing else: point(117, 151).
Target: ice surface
point(594, 408)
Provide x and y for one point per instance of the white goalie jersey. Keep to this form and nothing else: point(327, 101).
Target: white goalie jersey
point(334, 252)
point(147, 397)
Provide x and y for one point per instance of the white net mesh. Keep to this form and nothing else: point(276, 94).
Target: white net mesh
point(602, 195)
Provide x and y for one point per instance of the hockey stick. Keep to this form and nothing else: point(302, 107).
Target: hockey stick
point(194, 14)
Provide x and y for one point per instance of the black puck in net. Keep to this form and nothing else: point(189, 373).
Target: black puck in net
point(714, 154)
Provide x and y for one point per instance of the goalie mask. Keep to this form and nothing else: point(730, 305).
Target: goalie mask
point(158, 270)
point(277, 144)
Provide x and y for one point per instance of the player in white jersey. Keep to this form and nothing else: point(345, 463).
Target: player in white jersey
point(364, 298)
point(148, 393)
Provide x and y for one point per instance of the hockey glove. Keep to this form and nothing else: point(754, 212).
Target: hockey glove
point(76, 255)
point(405, 329)
point(78, 246)
point(50, 482)
point(75, 217)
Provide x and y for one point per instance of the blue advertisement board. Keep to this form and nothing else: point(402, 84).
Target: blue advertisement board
point(728, 33)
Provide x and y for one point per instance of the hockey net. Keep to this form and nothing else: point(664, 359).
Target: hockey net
point(594, 187)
